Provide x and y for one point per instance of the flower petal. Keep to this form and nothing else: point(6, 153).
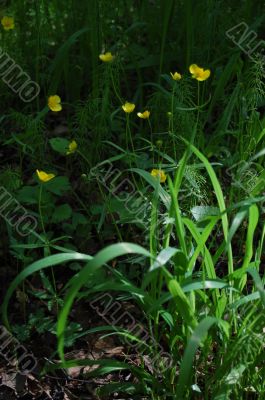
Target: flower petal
point(43, 176)
point(54, 103)
point(193, 68)
point(128, 107)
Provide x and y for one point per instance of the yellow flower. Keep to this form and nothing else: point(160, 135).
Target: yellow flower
point(107, 57)
point(199, 73)
point(144, 115)
point(54, 103)
point(43, 176)
point(161, 174)
point(128, 107)
point(8, 23)
point(72, 147)
point(176, 76)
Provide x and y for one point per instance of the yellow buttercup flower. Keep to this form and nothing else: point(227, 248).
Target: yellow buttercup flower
point(106, 57)
point(72, 147)
point(199, 73)
point(176, 76)
point(43, 176)
point(144, 115)
point(8, 23)
point(161, 174)
point(54, 103)
point(128, 107)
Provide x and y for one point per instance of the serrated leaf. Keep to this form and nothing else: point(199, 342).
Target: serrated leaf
point(28, 195)
point(58, 185)
point(62, 213)
point(78, 219)
point(201, 212)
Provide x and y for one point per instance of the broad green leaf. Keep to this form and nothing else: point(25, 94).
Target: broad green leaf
point(61, 213)
point(58, 185)
point(59, 144)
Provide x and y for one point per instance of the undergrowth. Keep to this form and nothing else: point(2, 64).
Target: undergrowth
point(145, 179)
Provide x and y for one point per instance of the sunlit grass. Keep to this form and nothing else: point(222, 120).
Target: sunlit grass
point(142, 161)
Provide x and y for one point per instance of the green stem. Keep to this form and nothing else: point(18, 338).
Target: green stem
point(151, 136)
point(172, 128)
point(47, 247)
point(111, 214)
point(128, 133)
point(114, 86)
point(198, 101)
point(40, 211)
point(84, 157)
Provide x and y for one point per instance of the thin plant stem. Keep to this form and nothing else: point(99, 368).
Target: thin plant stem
point(172, 128)
point(40, 211)
point(151, 136)
point(114, 86)
point(47, 247)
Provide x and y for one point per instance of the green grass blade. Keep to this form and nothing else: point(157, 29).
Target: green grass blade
point(183, 305)
point(104, 256)
point(201, 240)
point(186, 365)
point(220, 200)
point(178, 219)
point(37, 266)
point(165, 198)
point(252, 225)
